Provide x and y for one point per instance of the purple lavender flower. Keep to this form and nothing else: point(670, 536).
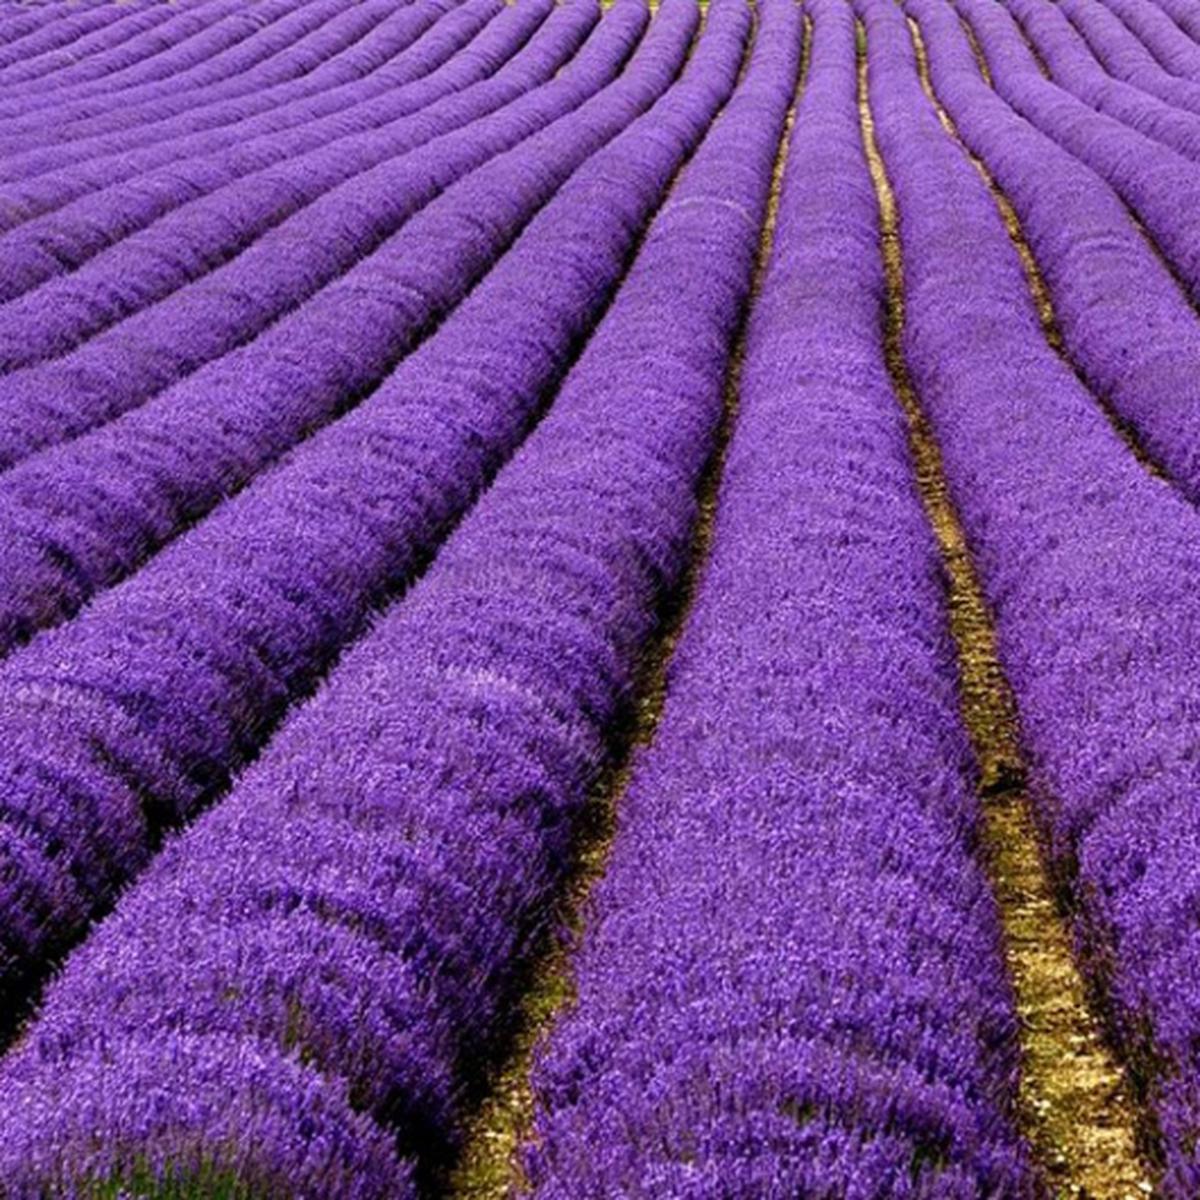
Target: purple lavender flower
point(353, 917)
point(1091, 567)
point(790, 981)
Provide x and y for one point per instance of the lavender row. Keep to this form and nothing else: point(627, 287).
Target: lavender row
point(290, 48)
point(36, 26)
point(1112, 34)
point(61, 47)
point(1161, 34)
point(190, 37)
point(1183, 14)
point(791, 980)
point(1092, 571)
point(41, 28)
point(1127, 326)
point(1076, 70)
point(102, 258)
point(198, 36)
point(349, 75)
point(299, 268)
point(449, 58)
point(285, 73)
point(387, 913)
point(1160, 186)
point(127, 47)
point(165, 701)
point(208, 63)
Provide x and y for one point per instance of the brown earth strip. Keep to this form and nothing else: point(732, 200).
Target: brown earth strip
point(1072, 1101)
point(1038, 287)
point(488, 1168)
point(977, 51)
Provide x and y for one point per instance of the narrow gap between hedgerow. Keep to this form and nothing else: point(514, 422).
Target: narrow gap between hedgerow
point(489, 1167)
point(1042, 65)
point(1072, 1101)
point(1038, 288)
point(1135, 220)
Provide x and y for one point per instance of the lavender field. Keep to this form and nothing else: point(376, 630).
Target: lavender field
point(599, 601)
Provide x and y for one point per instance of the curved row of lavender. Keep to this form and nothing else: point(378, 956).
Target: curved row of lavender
point(117, 254)
point(78, 517)
point(348, 75)
point(76, 215)
point(790, 982)
point(218, 58)
point(1076, 70)
point(1185, 16)
point(62, 37)
point(197, 44)
point(111, 106)
point(352, 918)
point(1134, 41)
point(165, 685)
point(1092, 571)
point(89, 47)
point(1177, 52)
point(33, 30)
point(350, 239)
point(326, 58)
point(1159, 185)
point(1126, 324)
point(183, 36)
point(412, 41)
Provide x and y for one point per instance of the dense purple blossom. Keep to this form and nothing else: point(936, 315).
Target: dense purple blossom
point(353, 240)
point(216, 59)
point(27, 30)
point(68, 52)
point(1092, 570)
point(357, 909)
point(184, 702)
point(199, 47)
point(365, 367)
point(1184, 15)
point(412, 46)
point(790, 981)
point(301, 68)
point(1159, 185)
point(1113, 37)
point(167, 233)
point(147, 66)
point(1074, 67)
point(79, 517)
point(1128, 327)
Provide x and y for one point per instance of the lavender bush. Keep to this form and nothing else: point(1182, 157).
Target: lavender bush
point(1074, 67)
point(1127, 326)
point(198, 228)
point(410, 41)
point(1092, 571)
point(790, 982)
point(263, 636)
point(1159, 185)
point(174, 50)
point(327, 56)
point(387, 912)
point(336, 247)
point(1112, 32)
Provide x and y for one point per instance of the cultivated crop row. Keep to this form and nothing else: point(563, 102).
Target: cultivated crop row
point(391, 895)
point(162, 735)
point(1088, 563)
point(792, 982)
point(556, 562)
